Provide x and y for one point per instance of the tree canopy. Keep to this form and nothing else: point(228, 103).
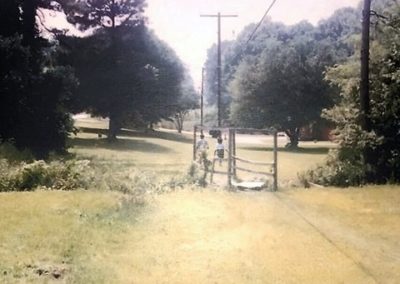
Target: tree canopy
point(276, 78)
point(122, 71)
point(346, 165)
point(34, 88)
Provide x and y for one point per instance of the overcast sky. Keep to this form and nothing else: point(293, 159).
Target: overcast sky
point(178, 22)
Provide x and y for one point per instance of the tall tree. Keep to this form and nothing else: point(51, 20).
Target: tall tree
point(281, 83)
point(33, 87)
point(310, 49)
point(187, 101)
point(144, 83)
point(112, 17)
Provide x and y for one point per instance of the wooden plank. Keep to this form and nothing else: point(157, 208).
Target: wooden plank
point(254, 172)
point(254, 162)
point(220, 173)
point(249, 184)
point(217, 159)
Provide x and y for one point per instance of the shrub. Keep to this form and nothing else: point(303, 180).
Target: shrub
point(336, 172)
point(57, 175)
point(88, 174)
point(11, 153)
point(197, 174)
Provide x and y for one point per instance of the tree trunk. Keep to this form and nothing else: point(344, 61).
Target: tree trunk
point(113, 128)
point(179, 119)
point(293, 135)
point(29, 29)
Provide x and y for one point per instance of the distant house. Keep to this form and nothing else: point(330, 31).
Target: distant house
point(320, 131)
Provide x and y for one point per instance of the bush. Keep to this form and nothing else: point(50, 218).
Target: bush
point(336, 172)
point(11, 153)
point(57, 175)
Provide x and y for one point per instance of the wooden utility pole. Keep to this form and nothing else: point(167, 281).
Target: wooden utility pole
point(364, 84)
point(219, 16)
point(202, 98)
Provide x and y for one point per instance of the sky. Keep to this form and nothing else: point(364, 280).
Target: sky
point(178, 22)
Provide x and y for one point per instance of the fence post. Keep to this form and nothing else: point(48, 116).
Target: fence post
point(194, 142)
point(234, 152)
point(230, 158)
point(275, 160)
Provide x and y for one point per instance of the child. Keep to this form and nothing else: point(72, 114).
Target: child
point(201, 148)
point(220, 150)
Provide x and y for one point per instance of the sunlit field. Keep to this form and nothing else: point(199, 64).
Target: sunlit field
point(199, 235)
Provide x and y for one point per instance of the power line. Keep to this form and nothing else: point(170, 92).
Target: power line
point(255, 30)
point(262, 19)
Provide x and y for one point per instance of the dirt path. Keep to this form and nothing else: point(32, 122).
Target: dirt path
point(222, 237)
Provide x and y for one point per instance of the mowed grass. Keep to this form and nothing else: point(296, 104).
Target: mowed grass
point(167, 158)
point(202, 235)
point(169, 153)
point(64, 236)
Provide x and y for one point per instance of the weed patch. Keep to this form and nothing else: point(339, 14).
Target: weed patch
point(89, 174)
point(57, 175)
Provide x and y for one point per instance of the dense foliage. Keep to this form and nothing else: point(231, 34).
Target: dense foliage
point(34, 89)
point(122, 71)
point(137, 83)
point(346, 165)
point(276, 78)
point(126, 72)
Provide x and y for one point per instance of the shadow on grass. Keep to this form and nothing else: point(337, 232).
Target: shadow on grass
point(300, 150)
point(119, 145)
point(141, 133)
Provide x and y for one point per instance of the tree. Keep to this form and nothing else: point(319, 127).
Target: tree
point(111, 16)
point(345, 165)
point(33, 86)
point(142, 81)
point(277, 77)
point(139, 73)
point(187, 101)
point(108, 14)
point(282, 84)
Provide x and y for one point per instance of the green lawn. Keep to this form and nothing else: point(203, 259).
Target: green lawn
point(199, 235)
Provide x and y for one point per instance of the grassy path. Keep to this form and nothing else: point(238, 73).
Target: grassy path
point(220, 237)
point(294, 236)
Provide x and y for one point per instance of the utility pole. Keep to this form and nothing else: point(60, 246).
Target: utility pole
point(202, 98)
point(364, 84)
point(219, 16)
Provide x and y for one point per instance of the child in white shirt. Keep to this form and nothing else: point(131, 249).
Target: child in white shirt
point(219, 151)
